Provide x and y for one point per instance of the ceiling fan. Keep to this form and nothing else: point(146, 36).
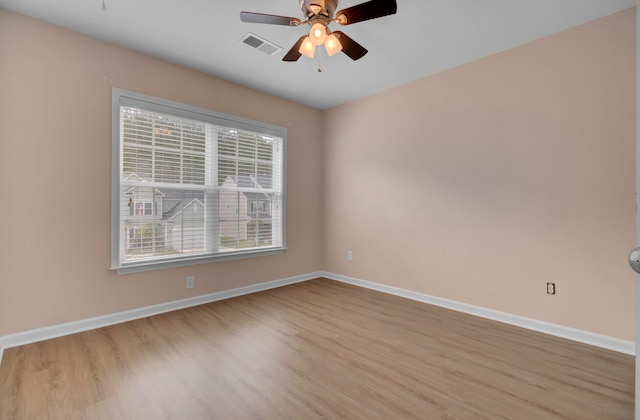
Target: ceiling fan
point(319, 14)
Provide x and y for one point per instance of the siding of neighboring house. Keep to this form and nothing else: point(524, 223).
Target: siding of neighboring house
point(171, 219)
point(243, 215)
point(185, 230)
point(143, 207)
point(233, 212)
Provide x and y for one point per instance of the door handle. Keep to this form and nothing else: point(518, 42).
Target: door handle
point(634, 259)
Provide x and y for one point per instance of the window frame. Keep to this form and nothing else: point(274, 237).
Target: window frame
point(122, 97)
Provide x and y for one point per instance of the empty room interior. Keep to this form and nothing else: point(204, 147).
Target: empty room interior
point(201, 219)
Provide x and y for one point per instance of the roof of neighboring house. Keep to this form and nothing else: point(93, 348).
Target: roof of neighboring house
point(248, 181)
point(134, 176)
point(175, 200)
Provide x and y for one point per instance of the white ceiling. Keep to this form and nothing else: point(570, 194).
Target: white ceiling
point(424, 37)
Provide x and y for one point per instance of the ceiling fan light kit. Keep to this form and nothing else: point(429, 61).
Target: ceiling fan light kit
point(319, 14)
point(331, 42)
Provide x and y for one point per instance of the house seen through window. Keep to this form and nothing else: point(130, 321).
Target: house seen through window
point(193, 185)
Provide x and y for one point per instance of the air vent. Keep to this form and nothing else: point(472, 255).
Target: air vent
point(261, 44)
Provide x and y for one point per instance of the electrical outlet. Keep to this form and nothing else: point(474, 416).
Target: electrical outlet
point(350, 255)
point(551, 288)
point(189, 282)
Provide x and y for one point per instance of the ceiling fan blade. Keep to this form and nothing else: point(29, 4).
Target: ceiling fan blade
point(350, 47)
point(294, 52)
point(252, 17)
point(369, 10)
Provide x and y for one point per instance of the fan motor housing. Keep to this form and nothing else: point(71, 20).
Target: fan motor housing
point(319, 7)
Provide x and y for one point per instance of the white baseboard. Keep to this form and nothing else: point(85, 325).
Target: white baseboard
point(40, 334)
point(609, 343)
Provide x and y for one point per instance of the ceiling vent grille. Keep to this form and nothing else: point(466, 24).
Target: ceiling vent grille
point(261, 44)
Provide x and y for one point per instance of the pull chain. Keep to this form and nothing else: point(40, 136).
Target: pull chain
point(320, 57)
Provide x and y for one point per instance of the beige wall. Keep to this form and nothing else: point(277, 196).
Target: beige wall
point(483, 183)
point(55, 173)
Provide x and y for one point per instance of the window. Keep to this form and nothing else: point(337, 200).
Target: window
point(192, 186)
point(148, 209)
point(258, 206)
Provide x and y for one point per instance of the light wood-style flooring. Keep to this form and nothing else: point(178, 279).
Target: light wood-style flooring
point(318, 349)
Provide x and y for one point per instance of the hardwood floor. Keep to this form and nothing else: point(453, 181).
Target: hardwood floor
point(318, 349)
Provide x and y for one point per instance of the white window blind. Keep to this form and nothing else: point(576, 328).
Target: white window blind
point(192, 186)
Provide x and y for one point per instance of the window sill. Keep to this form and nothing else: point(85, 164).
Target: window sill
point(138, 267)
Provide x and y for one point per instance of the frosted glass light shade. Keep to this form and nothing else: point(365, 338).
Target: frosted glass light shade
point(307, 48)
point(332, 45)
point(318, 33)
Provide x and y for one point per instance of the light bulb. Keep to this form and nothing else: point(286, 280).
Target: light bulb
point(307, 48)
point(333, 45)
point(318, 33)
